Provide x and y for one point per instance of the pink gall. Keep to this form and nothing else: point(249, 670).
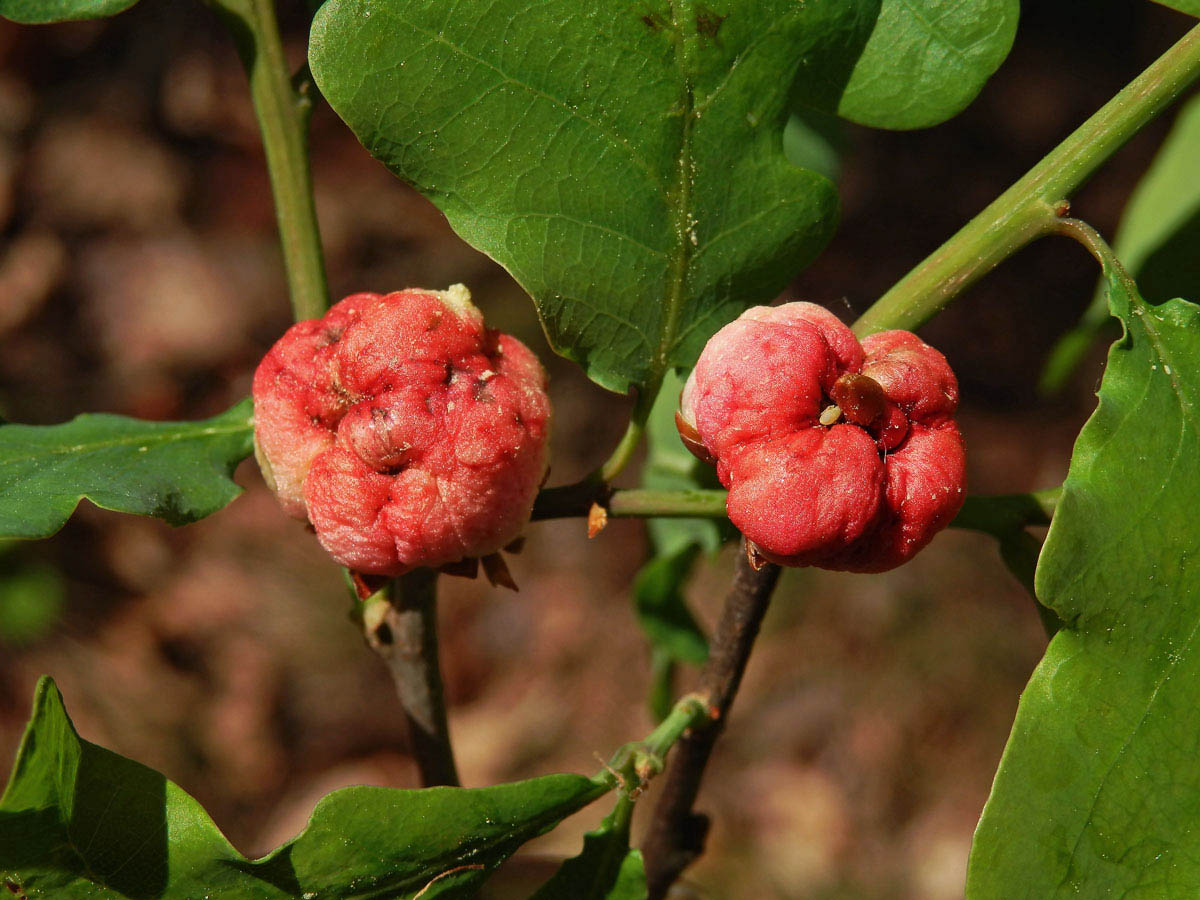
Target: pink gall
point(405, 431)
point(836, 454)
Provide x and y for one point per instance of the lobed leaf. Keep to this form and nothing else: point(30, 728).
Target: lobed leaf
point(177, 471)
point(926, 60)
point(624, 161)
point(1097, 792)
point(78, 821)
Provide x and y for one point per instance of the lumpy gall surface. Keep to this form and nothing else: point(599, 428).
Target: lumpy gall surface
point(405, 431)
point(836, 454)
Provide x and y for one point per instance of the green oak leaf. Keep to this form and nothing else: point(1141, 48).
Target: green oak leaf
point(1158, 241)
point(177, 471)
point(1098, 791)
point(926, 60)
point(78, 821)
point(624, 160)
point(606, 869)
point(43, 12)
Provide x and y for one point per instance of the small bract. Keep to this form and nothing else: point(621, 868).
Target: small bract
point(405, 431)
point(836, 454)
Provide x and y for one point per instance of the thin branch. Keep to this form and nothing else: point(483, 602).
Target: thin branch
point(677, 834)
point(576, 500)
point(401, 626)
point(1031, 207)
point(282, 107)
point(1080, 231)
point(621, 456)
point(980, 512)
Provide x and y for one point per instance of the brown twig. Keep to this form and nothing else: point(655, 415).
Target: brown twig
point(402, 629)
point(676, 834)
point(570, 500)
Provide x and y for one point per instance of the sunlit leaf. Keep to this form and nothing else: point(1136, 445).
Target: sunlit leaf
point(177, 471)
point(926, 60)
point(1098, 791)
point(78, 821)
point(624, 161)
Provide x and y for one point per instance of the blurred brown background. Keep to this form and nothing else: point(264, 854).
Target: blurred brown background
point(139, 274)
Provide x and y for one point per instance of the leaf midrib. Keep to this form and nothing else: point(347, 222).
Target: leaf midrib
point(1140, 312)
point(156, 438)
point(682, 14)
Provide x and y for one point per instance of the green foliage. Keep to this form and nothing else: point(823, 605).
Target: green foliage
point(607, 869)
point(42, 12)
point(1096, 795)
point(926, 60)
point(662, 609)
point(1158, 241)
point(1006, 518)
point(624, 161)
point(79, 821)
point(814, 140)
point(177, 471)
point(31, 598)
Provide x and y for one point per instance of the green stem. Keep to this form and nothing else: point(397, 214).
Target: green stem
point(1072, 346)
point(1020, 550)
point(634, 764)
point(643, 503)
point(574, 500)
point(1005, 517)
point(624, 451)
point(283, 113)
point(621, 818)
point(1031, 207)
point(690, 712)
point(980, 513)
point(616, 463)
